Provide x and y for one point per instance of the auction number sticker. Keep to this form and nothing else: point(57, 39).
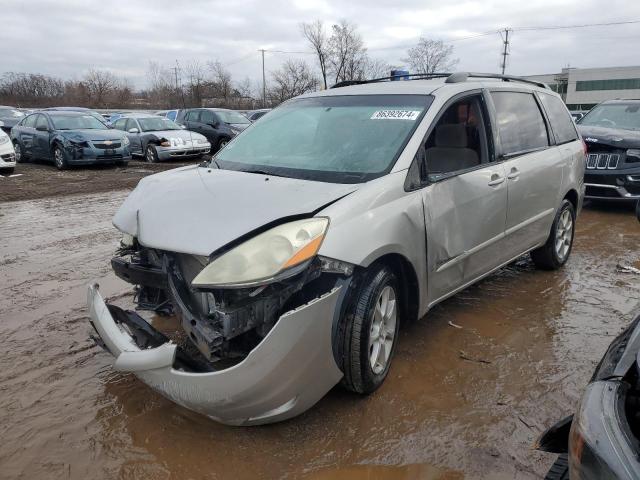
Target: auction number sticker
point(395, 115)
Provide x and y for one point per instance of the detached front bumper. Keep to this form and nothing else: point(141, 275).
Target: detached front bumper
point(287, 373)
point(78, 155)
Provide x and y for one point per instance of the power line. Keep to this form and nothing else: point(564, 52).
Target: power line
point(585, 25)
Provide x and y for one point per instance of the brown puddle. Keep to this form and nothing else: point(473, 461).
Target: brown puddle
point(459, 402)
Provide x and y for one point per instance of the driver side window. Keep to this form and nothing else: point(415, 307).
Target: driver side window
point(458, 141)
point(207, 117)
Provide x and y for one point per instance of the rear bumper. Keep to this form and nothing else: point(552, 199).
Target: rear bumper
point(287, 373)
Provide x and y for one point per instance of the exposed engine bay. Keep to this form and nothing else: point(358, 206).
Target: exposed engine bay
point(225, 324)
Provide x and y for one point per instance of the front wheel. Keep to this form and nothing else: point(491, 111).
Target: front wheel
point(555, 252)
point(370, 331)
point(221, 144)
point(18, 151)
point(58, 158)
point(151, 154)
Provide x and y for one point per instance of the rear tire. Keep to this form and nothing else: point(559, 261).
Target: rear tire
point(559, 470)
point(555, 252)
point(58, 158)
point(370, 331)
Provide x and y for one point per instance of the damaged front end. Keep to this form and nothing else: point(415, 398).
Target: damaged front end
point(249, 354)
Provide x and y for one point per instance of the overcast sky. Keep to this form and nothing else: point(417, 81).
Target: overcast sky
point(65, 38)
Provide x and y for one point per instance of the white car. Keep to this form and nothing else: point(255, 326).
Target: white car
point(7, 154)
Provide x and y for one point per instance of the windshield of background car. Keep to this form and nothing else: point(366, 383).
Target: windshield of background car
point(625, 116)
point(341, 139)
point(10, 113)
point(154, 124)
point(232, 117)
point(76, 122)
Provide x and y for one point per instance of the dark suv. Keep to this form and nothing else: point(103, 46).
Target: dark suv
point(611, 131)
point(217, 124)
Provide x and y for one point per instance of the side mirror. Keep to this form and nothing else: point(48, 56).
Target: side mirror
point(184, 127)
point(215, 124)
point(42, 128)
point(133, 130)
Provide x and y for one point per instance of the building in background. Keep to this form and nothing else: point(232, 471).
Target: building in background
point(583, 88)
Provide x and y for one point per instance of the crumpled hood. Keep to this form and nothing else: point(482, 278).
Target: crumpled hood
point(197, 210)
point(615, 137)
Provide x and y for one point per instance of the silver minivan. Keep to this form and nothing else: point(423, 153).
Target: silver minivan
point(293, 256)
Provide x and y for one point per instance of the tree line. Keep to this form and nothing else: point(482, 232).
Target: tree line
point(339, 54)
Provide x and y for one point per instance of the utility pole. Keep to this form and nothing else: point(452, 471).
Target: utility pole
point(264, 84)
point(505, 50)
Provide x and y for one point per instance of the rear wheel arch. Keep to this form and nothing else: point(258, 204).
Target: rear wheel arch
point(572, 196)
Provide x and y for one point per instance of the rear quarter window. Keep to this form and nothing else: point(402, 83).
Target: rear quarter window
point(560, 118)
point(521, 127)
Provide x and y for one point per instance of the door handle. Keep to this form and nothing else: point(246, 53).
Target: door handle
point(495, 180)
point(513, 174)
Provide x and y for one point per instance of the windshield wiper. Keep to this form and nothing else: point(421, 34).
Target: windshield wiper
point(262, 172)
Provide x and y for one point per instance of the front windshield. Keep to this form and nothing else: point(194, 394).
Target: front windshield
point(342, 139)
point(154, 124)
point(76, 122)
point(229, 116)
point(10, 113)
point(625, 116)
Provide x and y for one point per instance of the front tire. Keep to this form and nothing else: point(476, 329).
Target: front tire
point(555, 252)
point(370, 331)
point(17, 148)
point(151, 154)
point(221, 144)
point(58, 158)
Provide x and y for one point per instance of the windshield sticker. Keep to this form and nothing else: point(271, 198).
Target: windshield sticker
point(395, 115)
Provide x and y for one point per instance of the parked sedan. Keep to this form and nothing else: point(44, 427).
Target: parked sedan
point(9, 117)
point(256, 114)
point(157, 138)
point(217, 124)
point(69, 138)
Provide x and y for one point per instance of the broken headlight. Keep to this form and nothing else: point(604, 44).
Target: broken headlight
point(278, 252)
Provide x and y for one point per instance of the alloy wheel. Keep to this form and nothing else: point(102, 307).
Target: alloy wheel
point(564, 235)
point(58, 158)
point(383, 330)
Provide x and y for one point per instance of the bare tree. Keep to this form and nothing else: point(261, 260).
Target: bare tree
point(196, 77)
point(221, 79)
point(348, 53)
point(376, 68)
point(100, 84)
point(316, 35)
point(430, 56)
point(292, 79)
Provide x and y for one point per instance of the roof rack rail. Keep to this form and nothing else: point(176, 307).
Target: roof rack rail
point(410, 76)
point(457, 77)
point(463, 76)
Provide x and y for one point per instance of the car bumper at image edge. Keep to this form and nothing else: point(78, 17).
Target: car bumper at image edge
point(287, 373)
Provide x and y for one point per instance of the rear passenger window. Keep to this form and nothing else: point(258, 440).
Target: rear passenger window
point(560, 119)
point(520, 124)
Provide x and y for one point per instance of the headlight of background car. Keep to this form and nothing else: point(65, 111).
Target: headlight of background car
point(275, 252)
point(125, 141)
point(634, 152)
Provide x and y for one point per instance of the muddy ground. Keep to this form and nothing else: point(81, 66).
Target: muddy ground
point(36, 180)
point(459, 402)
